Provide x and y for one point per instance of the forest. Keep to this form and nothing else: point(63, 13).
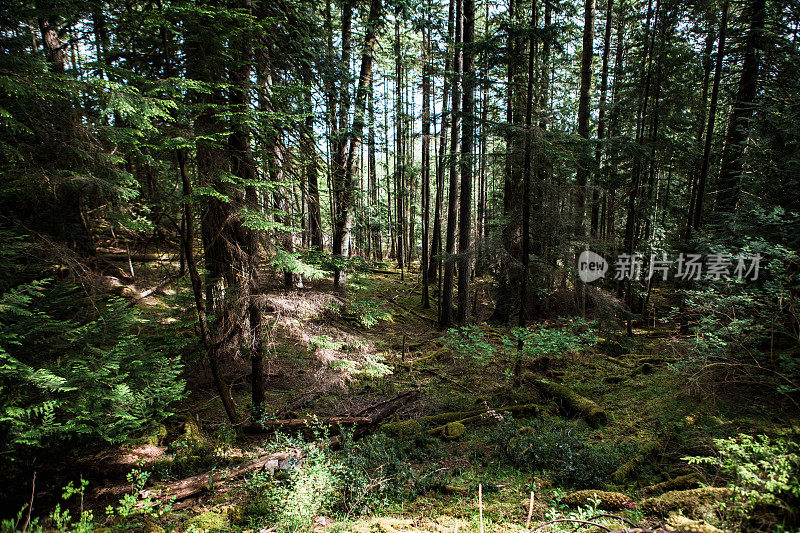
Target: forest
point(399, 266)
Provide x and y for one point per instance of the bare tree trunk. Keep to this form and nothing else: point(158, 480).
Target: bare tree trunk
point(446, 313)
point(733, 155)
point(583, 131)
point(526, 202)
point(344, 176)
point(712, 115)
point(436, 240)
point(426, 164)
point(468, 132)
point(601, 124)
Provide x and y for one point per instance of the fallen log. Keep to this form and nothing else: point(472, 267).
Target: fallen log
point(381, 411)
point(303, 423)
point(624, 471)
point(191, 486)
point(442, 420)
point(688, 481)
point(574, 404)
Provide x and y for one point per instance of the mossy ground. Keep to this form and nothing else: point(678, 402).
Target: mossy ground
point(319, 364)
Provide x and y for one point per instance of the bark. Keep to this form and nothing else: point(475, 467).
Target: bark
point(426, 163)
point(712, 114)
point(733, 156)
point(344, 176)
point(201, 483)
point(446, 311)
point(436, 239)
point(467, 136)
point(526, 202)
point(374, 228)
point(312, 171)
point(601, 123)
point(584, 162)
point(708, 66)
point(400, 167)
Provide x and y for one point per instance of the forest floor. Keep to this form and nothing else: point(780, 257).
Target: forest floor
point(330, 359)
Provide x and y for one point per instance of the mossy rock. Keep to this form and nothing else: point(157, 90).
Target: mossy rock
point(692, 503)
point(613, 379)
point(234, 513)
point(207, 522)
point(681, 523)
point(192, 433)
point(454, 430)
point(644, 369)
point(608, 501)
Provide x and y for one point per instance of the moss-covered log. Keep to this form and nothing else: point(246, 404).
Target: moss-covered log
point(628, 468)
point(692, 503)
point(608, 501)
point(465, 418)
point(574, 404)
point(687, 481)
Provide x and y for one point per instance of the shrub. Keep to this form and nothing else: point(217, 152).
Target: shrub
point(558, 447)
point(761, 472)
point(73, 370)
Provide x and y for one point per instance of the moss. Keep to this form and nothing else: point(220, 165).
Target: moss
point(613, 379)
point(405, 428)
point(678, 483)
point(692, 503)
point(156, 436)
point(151, 527)
point(608, 501)
point(208, 521)
point(234, 513)
point(575, 404)
point(454, 430)
point(643, 369)
point(192, 433)
point(681, 523)
point(628, 468)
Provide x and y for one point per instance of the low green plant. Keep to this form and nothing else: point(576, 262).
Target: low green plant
point(760, 471)
point(558, 448)
point(366, 311)
point(543, 340)
point(75, 370)
point(468, 341)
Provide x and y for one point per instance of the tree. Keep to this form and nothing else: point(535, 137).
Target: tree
point(733, 156)
point(344, 175)
point(446, 311)
point(467, 136)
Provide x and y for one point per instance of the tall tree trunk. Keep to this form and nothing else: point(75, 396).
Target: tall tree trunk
point(374, 225)
point(446, 312)
point(426, 163)
point(712, 115)
point(344, 175)
point(436, 239)
point(601, 123)
point(583, 131)
point(708, 66)
point(526, 202)
point(400, 167)
point(733, 156)
point(467, 142)
point(311, 168)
